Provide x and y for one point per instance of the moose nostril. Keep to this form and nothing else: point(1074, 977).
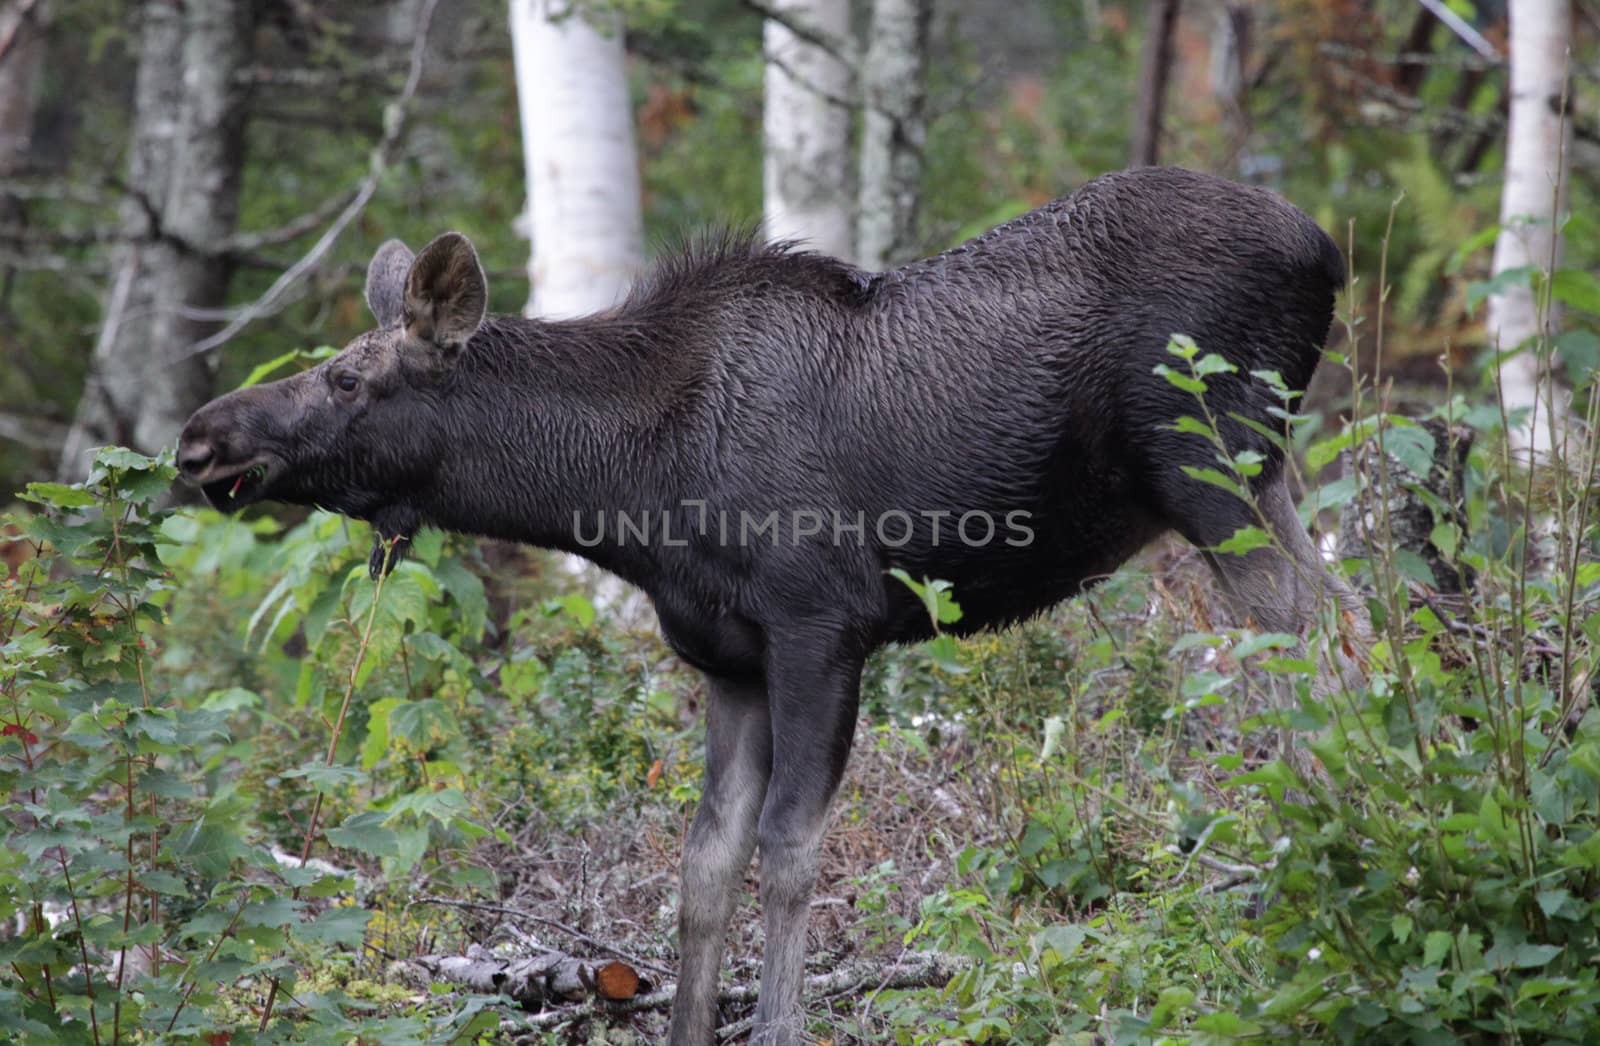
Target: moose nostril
point(194, 456)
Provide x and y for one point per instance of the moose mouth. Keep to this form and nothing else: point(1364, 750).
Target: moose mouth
point(232, 487)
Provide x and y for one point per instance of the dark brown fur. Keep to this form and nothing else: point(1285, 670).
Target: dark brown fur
point(1013, 374)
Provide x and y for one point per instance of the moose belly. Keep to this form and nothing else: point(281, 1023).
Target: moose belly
point(1056, 557)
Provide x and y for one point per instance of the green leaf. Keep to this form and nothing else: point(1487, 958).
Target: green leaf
point(1412, 445)
point(425, 723)
point(575, 605)
point(1169, 1005)
point(1181, 380)
point(1255, 644)
point(1470, 246)
point(164, 883)
point(58, 495)
point(276, 362)
point(1414, 567)
point(1579, 351)
point(366, 833)
point(1479, 290)
point(1245, 539)
point(326, 777)
point(935, 595)
point(1193, 426)
point(376, 745)
point(523, 676)
point(1183, 347)
point(1576, 288)
point(343, 926)
point(946, 653)
point(1227, 1025)
point(1552, 901)
point(1446, 537)
point(1435, 946)
point(1215, 479)
point(1065, 940)
point(1211, 363)
point(257, 375)
point(1322, 453)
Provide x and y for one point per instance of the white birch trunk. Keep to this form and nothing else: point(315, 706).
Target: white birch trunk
point(1541, 32)
point(578, 148)
point(806, 130)
point(584, 208)
point(894, 131)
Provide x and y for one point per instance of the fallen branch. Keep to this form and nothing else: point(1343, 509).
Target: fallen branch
point(536, 982)
point(575, 934)
point(549, 979)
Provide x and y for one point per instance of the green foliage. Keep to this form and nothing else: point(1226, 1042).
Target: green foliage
point(142, 864)
point(1435, 881)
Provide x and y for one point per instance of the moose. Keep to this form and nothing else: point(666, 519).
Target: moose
point(757, 435)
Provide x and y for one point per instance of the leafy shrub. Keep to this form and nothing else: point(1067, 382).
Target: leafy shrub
point(143, 864)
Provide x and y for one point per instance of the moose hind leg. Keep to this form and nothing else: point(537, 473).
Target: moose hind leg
point(717, 849)
point(1282, 587)
point(815, 694)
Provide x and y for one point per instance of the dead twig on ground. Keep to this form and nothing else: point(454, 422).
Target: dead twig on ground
point(527, 916)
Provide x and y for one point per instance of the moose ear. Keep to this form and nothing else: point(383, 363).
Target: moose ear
point(386, 282)
point(446, 294)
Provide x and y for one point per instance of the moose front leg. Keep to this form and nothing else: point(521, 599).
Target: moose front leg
point(814, 690)
point(717, 850)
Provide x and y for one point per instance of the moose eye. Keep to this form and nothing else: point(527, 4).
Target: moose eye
point(347, 382)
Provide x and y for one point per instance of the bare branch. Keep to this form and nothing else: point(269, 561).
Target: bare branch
point(845, 51)
point(1461, 28)
point(826, 95)
point(393, 124)
point(23, 235)
point(39, 433)
point(35, 262)
point(1449, 61)
point(316, 79)
point(249, 242)
point(55, 190)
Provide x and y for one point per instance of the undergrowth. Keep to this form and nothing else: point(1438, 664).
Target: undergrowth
point(234, 765)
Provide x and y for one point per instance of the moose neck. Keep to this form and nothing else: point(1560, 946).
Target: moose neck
point(558, 429)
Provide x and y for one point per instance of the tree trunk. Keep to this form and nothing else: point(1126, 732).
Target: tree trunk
point(806, 129)
point(1154, 65)
point(1232, 36)
point(584, 213)
point(185, 160)
point(1540, 33)
point(893, 131)
point(578, 147)
point(21, 56)
point(22, 45)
